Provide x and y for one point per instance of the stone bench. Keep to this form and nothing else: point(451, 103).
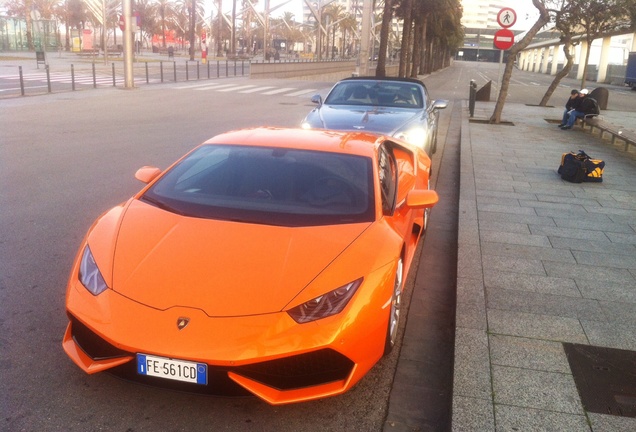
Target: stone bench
point(604, 127)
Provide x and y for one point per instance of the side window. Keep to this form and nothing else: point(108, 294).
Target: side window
point(387, 170)
point(426, 100)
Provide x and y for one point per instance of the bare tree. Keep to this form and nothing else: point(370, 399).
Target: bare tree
point(566, 20)
point(601, 17)
point(544, 18)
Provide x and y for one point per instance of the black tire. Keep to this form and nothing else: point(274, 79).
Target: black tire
point(394, 310)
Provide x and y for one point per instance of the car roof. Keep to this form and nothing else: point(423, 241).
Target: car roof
point(357, 143)
point(374, 78)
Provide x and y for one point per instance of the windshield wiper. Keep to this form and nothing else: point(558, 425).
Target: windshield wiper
point(162, 205)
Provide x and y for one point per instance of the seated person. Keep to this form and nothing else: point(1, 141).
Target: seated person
point(569, 105)
point(577, 110)
point(360, 94)
point(404, 97)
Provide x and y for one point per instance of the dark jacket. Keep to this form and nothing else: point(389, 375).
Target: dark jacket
point(570, 103)
point(577, 103)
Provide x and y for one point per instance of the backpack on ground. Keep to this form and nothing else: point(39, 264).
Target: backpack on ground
point(579, 167)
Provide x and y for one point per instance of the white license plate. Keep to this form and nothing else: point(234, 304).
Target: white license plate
point(178, 370)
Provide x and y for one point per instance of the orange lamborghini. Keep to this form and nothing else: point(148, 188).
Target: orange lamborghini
point(266, 261)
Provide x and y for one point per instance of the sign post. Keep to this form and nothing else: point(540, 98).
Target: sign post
point(504, 38)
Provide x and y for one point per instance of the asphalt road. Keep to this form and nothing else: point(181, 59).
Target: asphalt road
point(67, 157)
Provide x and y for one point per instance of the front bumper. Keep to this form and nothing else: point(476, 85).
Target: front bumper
point(269, 356)
point(289, 379)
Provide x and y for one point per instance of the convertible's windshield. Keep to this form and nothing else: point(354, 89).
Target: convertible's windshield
point(378, 93)
point(276, 186)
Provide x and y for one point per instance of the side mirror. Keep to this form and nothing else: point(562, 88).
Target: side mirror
point(317, 99)
point(147, 174)
point(439, 104)
point(422, 198)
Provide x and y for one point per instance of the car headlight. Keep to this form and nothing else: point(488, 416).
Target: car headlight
point(415, 136)
point(325, 305)
point(305, 125)
point(89, 274)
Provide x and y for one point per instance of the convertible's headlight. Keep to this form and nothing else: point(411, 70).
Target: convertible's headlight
point(326, 305)
point(415, 136)
point(305, 125)
point(89, 274)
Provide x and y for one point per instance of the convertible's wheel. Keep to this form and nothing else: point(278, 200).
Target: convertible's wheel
point(435, 143)
point(396, 306)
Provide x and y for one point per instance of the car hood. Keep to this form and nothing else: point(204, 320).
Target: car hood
point(385, 120)
point(224, 268)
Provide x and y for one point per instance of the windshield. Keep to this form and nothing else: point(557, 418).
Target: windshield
point(264, 185)
point(382, 93)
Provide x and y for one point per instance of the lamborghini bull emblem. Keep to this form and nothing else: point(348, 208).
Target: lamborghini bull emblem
point(182, 322)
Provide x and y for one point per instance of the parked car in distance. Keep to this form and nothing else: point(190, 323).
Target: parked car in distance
point(398, 107)
point(266, 261)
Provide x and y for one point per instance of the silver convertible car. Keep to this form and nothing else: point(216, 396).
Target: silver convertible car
point(398, 107)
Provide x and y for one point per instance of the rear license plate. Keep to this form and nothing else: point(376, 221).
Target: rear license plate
point(178, 370)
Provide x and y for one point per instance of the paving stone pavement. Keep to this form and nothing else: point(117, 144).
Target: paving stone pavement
point(540, 262)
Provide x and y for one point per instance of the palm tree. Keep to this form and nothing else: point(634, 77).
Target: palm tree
point(335, 13)
point(349, 26)
point(165, 8)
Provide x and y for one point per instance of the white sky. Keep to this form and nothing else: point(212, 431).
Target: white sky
point(293, 6)
point(527, 14)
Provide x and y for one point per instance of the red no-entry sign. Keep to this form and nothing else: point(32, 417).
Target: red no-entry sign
point(504, 39)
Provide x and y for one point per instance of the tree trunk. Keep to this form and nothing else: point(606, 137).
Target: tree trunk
point(544, 18)
point(406, 38)
point(423, 53)
point(380, 70)
point(192, 24)
point(567, 48)
point(417, 46)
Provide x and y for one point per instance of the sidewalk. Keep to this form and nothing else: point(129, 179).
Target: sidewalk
point(543, 262)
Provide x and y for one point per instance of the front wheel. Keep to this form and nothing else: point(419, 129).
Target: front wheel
point(394, 313)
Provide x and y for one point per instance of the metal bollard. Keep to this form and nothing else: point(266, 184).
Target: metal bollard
point(161, 69)
point(21, 81)
point(73, 77)
point(113, 67)
point(187, 72)
point(174, 68)
point(94, 77)
point(147, 77)
point(48, 78)
point(218, 68)
point(472, 97)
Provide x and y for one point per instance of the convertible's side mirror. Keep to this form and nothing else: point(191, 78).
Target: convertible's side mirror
point(439, 104)
point(147, 174)
point(317, 99)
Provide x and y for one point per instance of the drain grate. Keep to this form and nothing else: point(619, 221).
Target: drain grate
point(605, 378)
